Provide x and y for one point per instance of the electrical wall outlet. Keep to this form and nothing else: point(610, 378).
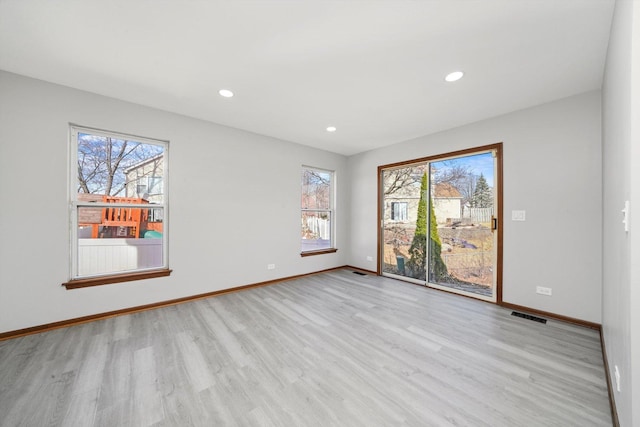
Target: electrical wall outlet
point(543, 291)
point(369, 258)
point(271, 266)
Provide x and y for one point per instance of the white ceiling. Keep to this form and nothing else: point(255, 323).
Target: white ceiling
point(373, 68)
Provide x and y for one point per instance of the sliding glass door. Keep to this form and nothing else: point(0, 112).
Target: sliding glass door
point(439, 221)
point(402, 195)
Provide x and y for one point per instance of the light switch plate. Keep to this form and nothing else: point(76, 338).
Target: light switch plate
point(518, 215)
point(625, 215)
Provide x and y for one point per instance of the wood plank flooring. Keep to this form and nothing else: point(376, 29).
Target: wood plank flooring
point(333, 349)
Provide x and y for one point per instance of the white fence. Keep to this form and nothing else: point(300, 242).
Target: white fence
point(320, 228)
point(97, 256)
point(478, 214)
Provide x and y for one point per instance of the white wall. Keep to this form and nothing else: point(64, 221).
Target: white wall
point(223, 181)
point(552, 169)
point(634, 160)
point(621, 169)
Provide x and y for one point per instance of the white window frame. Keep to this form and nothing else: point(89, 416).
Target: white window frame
point(74, 204)
point(403, 213)
point(331, 212)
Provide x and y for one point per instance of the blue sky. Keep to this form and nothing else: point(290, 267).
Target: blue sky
point(478, 163)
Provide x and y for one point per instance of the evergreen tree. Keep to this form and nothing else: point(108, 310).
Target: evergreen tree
point(438, 267)
point(482, 196)
point(418, 249)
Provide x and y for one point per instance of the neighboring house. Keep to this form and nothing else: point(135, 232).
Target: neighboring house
point(144, 180)
point(447, 202)
point(402, 205)
point(401, 199)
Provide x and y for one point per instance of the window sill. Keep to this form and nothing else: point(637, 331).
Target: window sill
point(319, 252)
point(115, 278)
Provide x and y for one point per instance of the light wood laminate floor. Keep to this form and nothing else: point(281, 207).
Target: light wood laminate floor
point(333, 349)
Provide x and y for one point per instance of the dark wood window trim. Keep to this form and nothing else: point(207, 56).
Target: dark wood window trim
point(499, 208)
point(320, 252)
point(115, 278)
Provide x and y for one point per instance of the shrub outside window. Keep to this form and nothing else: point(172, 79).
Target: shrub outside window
point(317, 214)
point(118, 204)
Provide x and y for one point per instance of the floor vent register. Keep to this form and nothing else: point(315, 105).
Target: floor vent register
point(528, 316)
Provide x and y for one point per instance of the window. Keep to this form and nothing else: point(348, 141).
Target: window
point(155, 185)
point(141, 189)
point(398, 211)
point(146, 186)
point(317, 215)
point(118, 207)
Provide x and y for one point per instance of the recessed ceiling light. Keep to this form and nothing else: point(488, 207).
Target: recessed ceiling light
point(226, 93)
point(455, 76)
point(331, 129)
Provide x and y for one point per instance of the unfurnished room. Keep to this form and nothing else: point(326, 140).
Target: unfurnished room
point(320, 213)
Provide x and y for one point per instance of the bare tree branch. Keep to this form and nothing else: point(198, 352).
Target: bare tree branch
point(102, 162)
